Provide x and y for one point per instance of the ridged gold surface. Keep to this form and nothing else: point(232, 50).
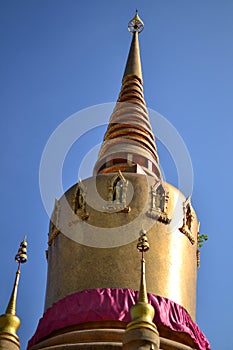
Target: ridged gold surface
point(8, 341)
point(106, 335)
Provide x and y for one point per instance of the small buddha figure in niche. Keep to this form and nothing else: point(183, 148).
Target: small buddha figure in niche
point(118, 187)
point(159, 199)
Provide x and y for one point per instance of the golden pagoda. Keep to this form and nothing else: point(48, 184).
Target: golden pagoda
point(92, 281)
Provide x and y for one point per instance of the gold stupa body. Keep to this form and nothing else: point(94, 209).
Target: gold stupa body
point(93, 274)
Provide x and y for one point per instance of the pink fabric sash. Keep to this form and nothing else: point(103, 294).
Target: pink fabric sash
point(114, 304)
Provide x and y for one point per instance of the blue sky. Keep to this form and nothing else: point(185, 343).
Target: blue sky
point(58, 57)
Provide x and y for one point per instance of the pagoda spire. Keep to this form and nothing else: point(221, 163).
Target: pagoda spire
point(133, 65)
point(129, 143)
point(141, 330)
point(9, 322)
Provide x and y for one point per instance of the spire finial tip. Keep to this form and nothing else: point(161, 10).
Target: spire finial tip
point(136, 24)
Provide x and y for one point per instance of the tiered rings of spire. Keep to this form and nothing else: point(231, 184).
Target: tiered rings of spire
point(129, 143)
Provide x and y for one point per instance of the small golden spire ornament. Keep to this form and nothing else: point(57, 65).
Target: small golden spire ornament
point(136, 24)
point(9, 322)
point(142, 313)
point(141, 332)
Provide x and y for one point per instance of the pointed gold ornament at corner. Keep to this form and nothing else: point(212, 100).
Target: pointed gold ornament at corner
point(9, 322)
point(142, 313)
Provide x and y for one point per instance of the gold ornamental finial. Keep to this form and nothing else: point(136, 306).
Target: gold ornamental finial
point(9, 322)
point(21, 256)
point(142, 313)
point(136, 24)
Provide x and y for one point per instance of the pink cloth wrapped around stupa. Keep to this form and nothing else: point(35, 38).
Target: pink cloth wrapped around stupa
point(114, 304)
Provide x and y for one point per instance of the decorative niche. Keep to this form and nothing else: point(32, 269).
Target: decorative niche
point(117, 193)
point(158, 203)
point(188, 217)
point(79, 201)
point(54, 222)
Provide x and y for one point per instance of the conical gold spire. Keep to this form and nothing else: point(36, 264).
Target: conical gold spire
point(9, 322)
point(129, 143)
point(133, 65)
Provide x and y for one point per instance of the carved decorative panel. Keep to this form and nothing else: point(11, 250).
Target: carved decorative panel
point(79, 201)
point(158, 203)
point(188, 217)
point(117, 192)
point(54, 223)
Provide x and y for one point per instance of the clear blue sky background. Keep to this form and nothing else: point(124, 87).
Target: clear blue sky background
point(58, 57)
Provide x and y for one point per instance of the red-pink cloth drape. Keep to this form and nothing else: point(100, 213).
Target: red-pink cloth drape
point(114, 304)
